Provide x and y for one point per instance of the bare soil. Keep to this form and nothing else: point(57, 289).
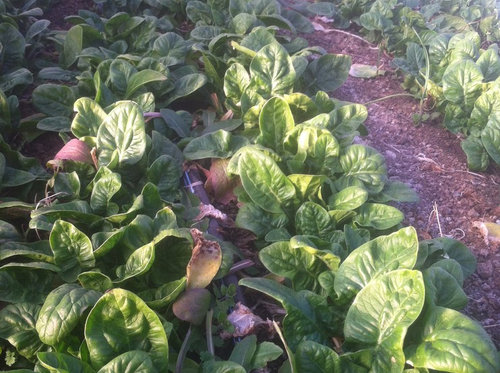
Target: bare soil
point(431, 161)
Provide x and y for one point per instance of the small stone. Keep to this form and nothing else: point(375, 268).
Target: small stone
point(390, 154)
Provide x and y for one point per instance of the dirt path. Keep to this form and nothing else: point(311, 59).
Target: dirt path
point(429, 159)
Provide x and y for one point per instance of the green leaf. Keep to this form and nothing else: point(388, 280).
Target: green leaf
point(165, 294)
point(312, 219)
point(62, 363)
point(171, 48)
point(312, 357)
point(24, 285)
point(376, 257)
point(243, 352)
point(365, 164)
point(122, 135)
point(358, 70)
point(451, 342)
point(265, 183)
point(259, 221)
point(175, 122)
point(137, 264)
point(349, 198)
point(13, 45)
point(165, 172)
point(490, 136)
point(489, 63)
point(21, 77)
point(327, 73)
point(62, 311)
point(306, 186)
point(18, 327)
point(462, 83)
point(185, 86)
point(272, 71)
point(477, 156)
point(275, 120)
point(73, 44)
point(264, 353)
point(134, 361)
point(378, 216)
point(295, 263)
point(236, 79)
point(106, 185)
point(53, 99)
point(141, 78)
point(121, 322)
point(218, 144)
point(381, 314)
point(55, 124)
point(97, 281)
point(72, 249)
point(89, 116)
point(442, 289)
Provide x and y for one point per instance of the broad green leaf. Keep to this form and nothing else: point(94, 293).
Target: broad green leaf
point(306, 186)
point(275, 120)
point(265, 183)
point(185, 86)
point(137, 264)
point(272, 71)
point(165, 294)
point(122, 135)
point(320, 248)
point(165, 173)
point(103, 242)
point(175, 122)
point(89, 116)
point(236, 79)
point(37, 250)
point(348, 199)
point(14, 177)
point(462, 83)
point(312, 357)
point(486, 106)
point(397, 191)
point(13, 45)
point(140, 78)
point(219, 144)
point(264, 353)
point(72, 249)
point(381, 314)
point(62, 311)
point(312, 219)
point(53, 99)
point(490, 136)
point(327, 73)
point(93, 280)
point(294, 263)
point(451, 342)
point(243, 352)
point(121, 322)
point(378, 216)
point(73, 44)
point(24, 285)
point(257, 39)
point(442, 289)
point(36, 29)
point(171, 48)
point(105, 187)
point(489, 63)
point(21, 77)
point(18, 327)
point(135, 361)
point(388, 304)
point(259, 221)
point(63, 363)
point(366, 165)
point(477, 156)
point(376, 257)
point(120, 72)
point(452, 249)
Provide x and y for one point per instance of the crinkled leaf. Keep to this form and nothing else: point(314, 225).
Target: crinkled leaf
point(275, 120)
point(89, 116)
point(54, 99)
point(462, 83)
point(135, 361)
point(378, 216)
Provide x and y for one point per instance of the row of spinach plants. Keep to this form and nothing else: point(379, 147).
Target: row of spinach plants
point(112, 276)
point(448, 52)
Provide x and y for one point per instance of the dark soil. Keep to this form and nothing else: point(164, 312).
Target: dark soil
point(62, 9)
point(429, 159)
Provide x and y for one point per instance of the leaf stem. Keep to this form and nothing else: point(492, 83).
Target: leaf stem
point(208, 331)
point(183, 351)
point(388, 97)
